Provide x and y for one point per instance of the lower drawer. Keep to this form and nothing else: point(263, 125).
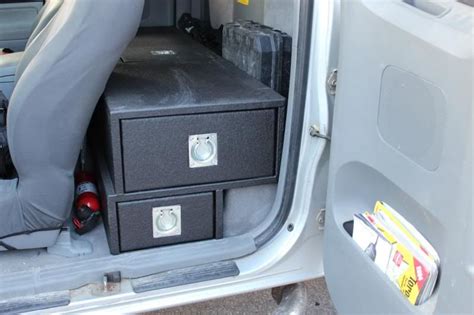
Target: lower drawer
point(165, 221)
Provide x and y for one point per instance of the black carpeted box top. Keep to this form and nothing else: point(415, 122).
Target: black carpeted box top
point(164, 72)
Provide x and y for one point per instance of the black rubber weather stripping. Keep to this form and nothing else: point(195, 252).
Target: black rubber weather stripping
point(34, 303)
point(185, 276)
point(302, 66)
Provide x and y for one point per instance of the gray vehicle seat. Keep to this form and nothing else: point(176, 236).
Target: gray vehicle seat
point(58, 82)
point(9, 62)
point(45, 15)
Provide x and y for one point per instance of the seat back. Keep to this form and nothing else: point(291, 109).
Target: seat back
point(45, 15)
point(58, 83)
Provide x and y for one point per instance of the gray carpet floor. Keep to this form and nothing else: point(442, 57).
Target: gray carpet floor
point(262, 302)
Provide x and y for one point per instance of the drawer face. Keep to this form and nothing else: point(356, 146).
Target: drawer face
point(156, 151)
point(138, 221)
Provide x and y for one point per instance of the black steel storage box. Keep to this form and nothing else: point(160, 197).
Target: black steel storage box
point(163, 110)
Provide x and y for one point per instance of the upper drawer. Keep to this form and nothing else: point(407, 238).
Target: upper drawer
point(156, 151)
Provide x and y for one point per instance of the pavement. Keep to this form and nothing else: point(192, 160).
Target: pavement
point(261, 302)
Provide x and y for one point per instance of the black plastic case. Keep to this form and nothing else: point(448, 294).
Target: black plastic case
point(262, 52)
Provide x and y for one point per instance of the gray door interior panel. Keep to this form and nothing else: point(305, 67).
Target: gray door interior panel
point(403, 134)
point(16, 22)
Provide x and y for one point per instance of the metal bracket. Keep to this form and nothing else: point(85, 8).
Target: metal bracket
point(112, 283)
point(315, 132)
point(332, 82)
point(321, 218)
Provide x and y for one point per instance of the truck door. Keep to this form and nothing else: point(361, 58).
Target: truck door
point(402, 134)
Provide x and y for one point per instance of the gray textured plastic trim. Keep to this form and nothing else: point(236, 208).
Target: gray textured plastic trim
point(185, 276)
point(80, 272)
point(34, 303)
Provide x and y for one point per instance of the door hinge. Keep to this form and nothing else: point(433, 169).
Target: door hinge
point(332, 82)
point(321, 218)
